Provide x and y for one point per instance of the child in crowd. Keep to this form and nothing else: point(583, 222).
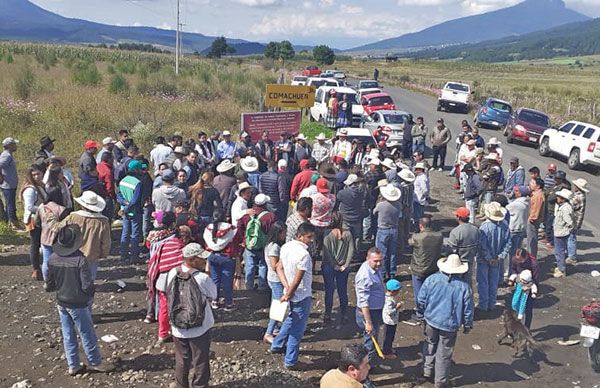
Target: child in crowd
point(525, 290)
point(390, 316)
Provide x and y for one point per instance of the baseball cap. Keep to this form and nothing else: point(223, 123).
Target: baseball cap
point(89, 144)
point(322, 186)
point(9, 141)
point(195, 250)
point(261, 199)
point(462, 212)
point(393, 285)
point(108, 140)
point(282, 163)
point(303, 163)
point(168, 175)
point(134, 165)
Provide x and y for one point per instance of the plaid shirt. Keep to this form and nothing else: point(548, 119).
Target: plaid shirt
point(321, 151)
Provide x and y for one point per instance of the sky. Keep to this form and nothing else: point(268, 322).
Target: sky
point(337, 23)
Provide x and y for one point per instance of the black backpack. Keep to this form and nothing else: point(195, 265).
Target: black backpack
point(186, 302)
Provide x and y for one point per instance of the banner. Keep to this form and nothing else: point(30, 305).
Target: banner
point(275, 123)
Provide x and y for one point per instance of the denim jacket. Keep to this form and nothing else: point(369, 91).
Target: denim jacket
point(494, 241)
point(446, 302)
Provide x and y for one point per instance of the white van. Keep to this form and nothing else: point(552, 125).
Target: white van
point(318, 112)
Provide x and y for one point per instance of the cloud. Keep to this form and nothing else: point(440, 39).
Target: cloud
point(351, 9)
point(258, 3)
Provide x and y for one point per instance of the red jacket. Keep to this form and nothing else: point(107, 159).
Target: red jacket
point(105, 175)
point(265, 221)
point(301, 181)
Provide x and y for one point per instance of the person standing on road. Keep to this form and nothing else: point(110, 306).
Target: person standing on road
point(407, 190)
point(479, 142)
point(525, 261)
point(445, 303)
point(298, 217)
point(342, 147)
point(472, 190)
point(351, 203)
point(564, 224)
point(560, 182)
point(550, 176)
point(376, 74)
point(407, 139)
point(275, 241)
point(302, 180)
point(464, 240)
point(514, 177)
point(421, 194)
point(440, 137)
point(372, 177)
point(388, 214)
point(427, 249)
point(536, 214)
point(205, 151)
point(578, 202)
point(129, 196)
point(88, 175)
point(321, 150)
point(418, 135)
point(167, 195)
point(519, 214)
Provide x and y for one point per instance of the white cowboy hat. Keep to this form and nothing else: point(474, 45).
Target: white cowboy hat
point(581, 184)
point(343, 132)
point(225, 165)
point(421, 166)
point(352, 178)
point(382, 183)
point(389, 163)
point(495, 212)
point(564, 193)
point(374, 153)
point(321, 136)
point(401, 165)
point(452, 265)
point(91, 201)
point(226, 133)
point(243, 186)
point(493, 141)
point(180, 150)
point(406, 175)
point(301, 137)
point(375, 161)
point(390, 193)
point(491, 157)
point(249, 164)
point(261, 199)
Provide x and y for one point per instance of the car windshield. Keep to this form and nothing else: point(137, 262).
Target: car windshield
point(502, 107)
point(299, 78)
point(378, 101)
point(534, 118)
point(317, 83)
point(459, 87)
point(331, 83)
point(394, 118)
point(369, 84)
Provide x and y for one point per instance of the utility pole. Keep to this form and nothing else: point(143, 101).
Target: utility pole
point(177, 38)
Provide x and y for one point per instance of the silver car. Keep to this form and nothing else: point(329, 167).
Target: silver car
point(392, 122)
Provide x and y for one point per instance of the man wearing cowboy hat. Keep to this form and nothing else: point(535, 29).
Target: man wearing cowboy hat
point(564, 224)
point(407, 190)
point(493, 147)
point(492, 176)
point(226, 148)
point(302, 150)
point(107, 146)
point(225, 181)
point(560, 182)
point(421, 194)
point(249, 165)
point(351, 203)
point(390, 171)
point(578, 203)
point(519, 214)
point(342, 147)
point(445, 303)
point(69, 275)
point(43, 155)
point(494, 247)
point(388, 214)
point(440, 137)
point(321, 149)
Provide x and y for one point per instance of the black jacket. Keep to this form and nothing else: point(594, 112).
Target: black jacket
point(72, 280)
point(269, 185)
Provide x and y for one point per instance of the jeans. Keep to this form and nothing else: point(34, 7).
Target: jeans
point(46, 252)
point(487, 198)
point(79, 320)
point(560, 251)
point(549, 225)
point(532, 239)
point(333, 279)
point(418, 147)
point(222, 269)
point(252, 260)
point(388, 339)
point(406, 149)
point(356, 230)
point(131, 236)
point(417, 282)
point(10, 197)
point(437, 353)
point(34, 248)
point(292, 330)
point(572, 245)
point(439, 152)
point(192, 354)
point(147, 219)
point(472, 205)
point(376, 321)
point(276, 294)
point(516, 240)
point(487, 284)
point(387, 242)
point(418, 212)
point(369, 225)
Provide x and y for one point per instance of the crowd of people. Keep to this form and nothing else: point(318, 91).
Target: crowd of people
point(224, 215)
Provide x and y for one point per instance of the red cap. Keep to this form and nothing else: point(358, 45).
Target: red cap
point(89, 144)
point(304, 164)
point(462, 212)
point(322, 186)
point(552, 167)
point(337, 159)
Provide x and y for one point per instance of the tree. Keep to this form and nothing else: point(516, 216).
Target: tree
point(323, 55)
point(285, 50)
point(219, 47)
point(271, 50)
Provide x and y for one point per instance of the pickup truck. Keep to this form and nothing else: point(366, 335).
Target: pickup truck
point(311, 71)
point(455, 96)
point(318, 112)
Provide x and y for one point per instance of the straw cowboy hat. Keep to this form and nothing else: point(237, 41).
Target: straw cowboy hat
point(382, 183)
point(225, 165)
point(249, 164)
point(301, 137)
point(243, 186)
point(420, 166)
point(389, 163)
point(452, 265)
point(68, 240)
point(91, 201)
point(564, 193)
point(390, 192)
point(493, 141)
point(495, 212)
point(343, 132)
point(321, 136)
point(581, 184)
point(406, 175)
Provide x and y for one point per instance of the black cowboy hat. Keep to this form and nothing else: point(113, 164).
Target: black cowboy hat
point(68, 240)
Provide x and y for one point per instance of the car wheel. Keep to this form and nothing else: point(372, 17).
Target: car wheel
point(544, 149)
point(573, 161)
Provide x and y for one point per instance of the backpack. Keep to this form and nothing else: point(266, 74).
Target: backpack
point(186, 302)
point(256, 238)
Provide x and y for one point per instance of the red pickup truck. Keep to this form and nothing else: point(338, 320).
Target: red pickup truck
point(311, 71)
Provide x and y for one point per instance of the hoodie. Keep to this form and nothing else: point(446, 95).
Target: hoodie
point(165, 197)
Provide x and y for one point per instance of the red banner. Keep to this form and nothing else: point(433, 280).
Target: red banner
point(275, 123)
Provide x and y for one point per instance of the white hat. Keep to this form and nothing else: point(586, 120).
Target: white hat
point(261, 199)
point(492, 156)
point(243, 186)
point(249, 164)
point(9, 141)
point(401, 165)
point(375, 161)
point(581, 184)
point(108, 140)
point(195, 250)
point(493, 141)
point(180, 150)
point(225, 165)
point(382, 183)
point(352, 178)
point(301, 137)
point(564, 193)
point(494, 211)
point(390, 192)
point(406, 175)
point(282, 163)
point(321, 136)
point(471, 142)
point(525, 276)
point(389, 163)
point(420, 165)
point(343, 132)
point(374, 153)
point(452, 265)
point(226, 133)
point(91, 201)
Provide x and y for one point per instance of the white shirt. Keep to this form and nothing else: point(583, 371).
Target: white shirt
point(421, 189)
point(159, 154)
point(342, 149)
point(209, 290)
point(294, 257)
point(272, 249)
point(238, 209)
point(465, 152)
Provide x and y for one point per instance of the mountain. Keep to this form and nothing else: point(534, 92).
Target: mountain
point(23, 20)
point(525, 17)
point(574, 39)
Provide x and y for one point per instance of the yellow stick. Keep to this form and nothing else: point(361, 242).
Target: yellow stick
point(377, 348)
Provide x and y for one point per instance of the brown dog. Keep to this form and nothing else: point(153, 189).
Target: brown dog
point(522, 340)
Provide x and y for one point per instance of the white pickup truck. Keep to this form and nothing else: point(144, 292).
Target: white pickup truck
point(455, 96)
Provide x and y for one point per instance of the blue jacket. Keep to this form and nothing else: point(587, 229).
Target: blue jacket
point(514, 178)
point(445, 302)
point(494, 241)
point(269, 184)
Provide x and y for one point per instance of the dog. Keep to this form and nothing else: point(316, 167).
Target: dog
point(522, 340)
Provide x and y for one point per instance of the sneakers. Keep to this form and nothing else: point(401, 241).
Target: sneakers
point(149, 320)
point(558, 273)
point(230, 307)
point(440, 169)
point(571, 261)
point(77, 370)
point(104, 367)
point(163, 340)
point(431, 168)
point(214, 304)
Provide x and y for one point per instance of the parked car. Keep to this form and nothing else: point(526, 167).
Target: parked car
point(455, 96)
point(368, 84)
point(318, 82)
point(377, 101)
point(311, 70)
point(364, 92)
point(338, 74)
point(363, 134)
point(579, 142)
point(526, 125)
point(318, 112)
point(299, 80)
point(392, 123)
point(493, 113)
